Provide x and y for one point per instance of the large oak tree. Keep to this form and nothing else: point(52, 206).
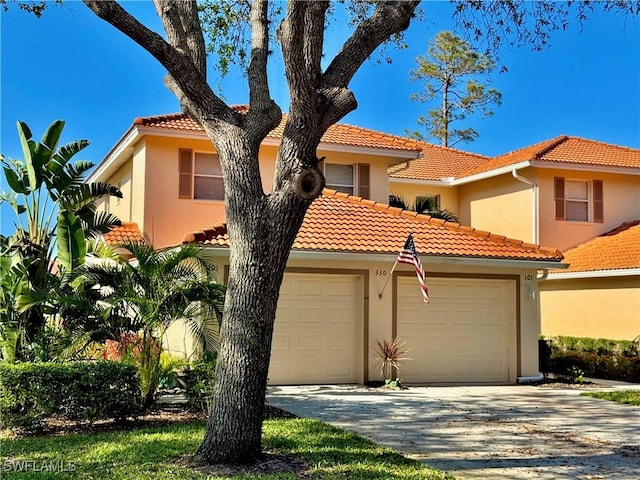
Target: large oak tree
point(262, 227)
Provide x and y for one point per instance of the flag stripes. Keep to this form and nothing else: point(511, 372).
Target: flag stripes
point(409, 255)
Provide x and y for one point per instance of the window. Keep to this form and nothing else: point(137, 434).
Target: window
point(578, 200)
point(200, 176)
point(339, 177)
point(427, 203)
point(350, 179)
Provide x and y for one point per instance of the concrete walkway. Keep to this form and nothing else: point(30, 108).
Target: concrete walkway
point(507, 432)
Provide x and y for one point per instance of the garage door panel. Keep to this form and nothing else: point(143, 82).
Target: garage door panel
point(317, 334)
point(280, 343)
point(466, 334)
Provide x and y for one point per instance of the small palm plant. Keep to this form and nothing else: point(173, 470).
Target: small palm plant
point(390, 355)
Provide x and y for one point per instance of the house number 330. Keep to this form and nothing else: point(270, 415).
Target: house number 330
point(381, 273)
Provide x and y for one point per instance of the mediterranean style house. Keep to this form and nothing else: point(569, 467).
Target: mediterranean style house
point(567, 192)
point(342, 291)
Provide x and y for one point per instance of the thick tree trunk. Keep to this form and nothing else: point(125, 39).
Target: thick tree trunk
point(262, 230)
point(234, 430)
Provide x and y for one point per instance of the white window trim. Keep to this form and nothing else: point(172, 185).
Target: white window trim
point(354, 179)
point(194, 175)
point(588, 201)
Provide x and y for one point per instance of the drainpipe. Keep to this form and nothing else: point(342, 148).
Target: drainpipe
point(533, 185)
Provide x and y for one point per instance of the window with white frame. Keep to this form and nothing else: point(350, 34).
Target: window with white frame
point(579, 200)
point(576, 201)
point(353, 179)
point(339, 177)
point(200, 176)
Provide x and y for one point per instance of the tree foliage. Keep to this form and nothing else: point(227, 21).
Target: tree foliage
point(451, 71)
point(54, 214)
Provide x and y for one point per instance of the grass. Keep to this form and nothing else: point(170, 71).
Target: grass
point(153, 453)
point(631, 397)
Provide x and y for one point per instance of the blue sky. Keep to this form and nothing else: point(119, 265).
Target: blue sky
point(71, 65)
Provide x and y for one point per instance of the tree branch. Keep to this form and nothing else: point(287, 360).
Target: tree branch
point(388, 19)
point(182, 25)
point(264, 115)
point(186, 80)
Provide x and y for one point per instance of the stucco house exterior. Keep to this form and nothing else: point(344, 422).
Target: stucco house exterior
point(561, 192)
point(482, 323)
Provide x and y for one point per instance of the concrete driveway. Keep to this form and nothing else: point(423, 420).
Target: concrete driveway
point(507, 432)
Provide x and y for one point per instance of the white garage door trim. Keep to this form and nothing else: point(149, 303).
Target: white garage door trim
point(312, 353)
point(493, 358)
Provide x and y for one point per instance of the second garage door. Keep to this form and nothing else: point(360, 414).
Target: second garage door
point(318, 330)
point(467, 334)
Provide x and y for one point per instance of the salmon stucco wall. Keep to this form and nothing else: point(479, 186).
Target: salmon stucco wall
point(500, 205)
point(591, 307)
point(150, 178)
point(621, 201)
point(123, 179)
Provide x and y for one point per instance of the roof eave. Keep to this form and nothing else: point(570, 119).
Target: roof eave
point(127, 140)
point(221, 251)
point(491, 173)
point(403, 153)
point(621, 272)
point(559, 165)
point(443, 182)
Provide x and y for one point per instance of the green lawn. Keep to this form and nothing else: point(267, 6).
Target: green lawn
point(632, 397)
point(154, 453)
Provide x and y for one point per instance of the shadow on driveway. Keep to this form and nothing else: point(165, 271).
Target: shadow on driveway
point(508, 432)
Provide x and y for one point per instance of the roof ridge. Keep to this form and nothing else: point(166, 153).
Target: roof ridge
point(454, 226)
point(553, 143)
point(604, 144)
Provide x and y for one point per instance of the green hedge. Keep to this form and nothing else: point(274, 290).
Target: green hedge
point(31, 392)
point(596, 357)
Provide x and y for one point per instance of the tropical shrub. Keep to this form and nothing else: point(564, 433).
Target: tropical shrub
point(133, 303)
point(31, 392)
point(593, 357)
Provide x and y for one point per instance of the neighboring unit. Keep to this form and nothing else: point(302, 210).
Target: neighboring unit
point(560, 192)
point(598, 296)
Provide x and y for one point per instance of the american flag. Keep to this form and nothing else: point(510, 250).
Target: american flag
point(409, 255)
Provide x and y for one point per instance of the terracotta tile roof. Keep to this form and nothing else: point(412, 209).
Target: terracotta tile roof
point(125, 232)
point(337, 222)
point(566, 150)
point(436, 163)
point(618, 249)
point(339, 134)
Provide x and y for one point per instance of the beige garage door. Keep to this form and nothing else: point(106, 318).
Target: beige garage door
point(317, 337)
point(466, 334)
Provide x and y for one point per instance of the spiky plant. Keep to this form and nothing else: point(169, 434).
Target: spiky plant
point(390, 354)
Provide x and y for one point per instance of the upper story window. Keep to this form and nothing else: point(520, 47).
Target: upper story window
point(578, 200)
point(340, 177)
point(427, 203)
point(350, 179)
point(200, 176)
